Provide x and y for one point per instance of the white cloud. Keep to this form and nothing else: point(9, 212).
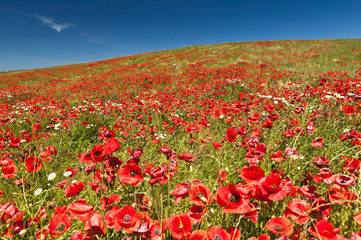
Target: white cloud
point(91, 39)
point(50, 22)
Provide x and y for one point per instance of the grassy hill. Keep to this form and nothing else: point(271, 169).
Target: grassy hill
point(186, 143)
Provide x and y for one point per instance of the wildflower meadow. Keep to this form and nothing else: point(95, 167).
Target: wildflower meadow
point(243, 140)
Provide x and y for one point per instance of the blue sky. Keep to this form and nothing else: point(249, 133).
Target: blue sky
point(43, 33)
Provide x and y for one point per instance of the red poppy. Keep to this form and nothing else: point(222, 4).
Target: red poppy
point(290, 152)
point(143, 202)
point(357, 218)
point(217, 233)
point(344, 180)
point(253, 214)
point(234, 233)
point(51, 149)
point(6, 162)
point(267, 124)
point(62, 184)
point(98, 153)
point(9, 171)
point(112, 145)
point(36, 127)
point(297, 211)
point(338, 194)
point(45, 156)
point(33, 164)
point(234, 199)
point(200, 194)
point(77, 236)
point(198, 235)
point(16, 226)
point(231, 135)
point(94, 226)
point(7, 210)
point(23, 182)
point(261, 237)
point(113, 162)
point(269, 108)
point(280, 225)
point(325, 175)
point(85, 157)
point(348, 109)
point(130, 174)
point(217, 145)
point(90, 167)
point(352, 134)
point(181, 191)
point(156, 231)
point(14, 142)
point(109, 218)
point(197, 213)
point(300, 130)
point(59, 222)
point(80, 209)
point(317, 142)
point(273, 117)
point(106, 202)
point(277, 156)
point(188, 157)
point(321, 206)
point(74, 189)
point(324, 230)
point(145, 222)
point(159, 175)
point(273, 187)
point(179, 225)
point(165, 149)
point(42, 234)
point(352, 165)
point(252, 174)
point(221, 176)
point(321, 162)
point(260, 150)
point(128, 219)
point(298, 110)
point(289, 133)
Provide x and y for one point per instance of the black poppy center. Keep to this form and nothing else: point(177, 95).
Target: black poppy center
point(157, 231)
point(61, 227)
point(234, 198)
point(198, 211)
point(133, 173)
point(217, 238)
point(126, 218)
point(278, 228)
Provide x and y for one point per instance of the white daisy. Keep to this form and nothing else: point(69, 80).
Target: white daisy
point(38, 191)
point(51, 176)
point(67, 173)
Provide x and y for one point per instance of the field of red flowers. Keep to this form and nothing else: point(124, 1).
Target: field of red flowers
point(245, 140)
